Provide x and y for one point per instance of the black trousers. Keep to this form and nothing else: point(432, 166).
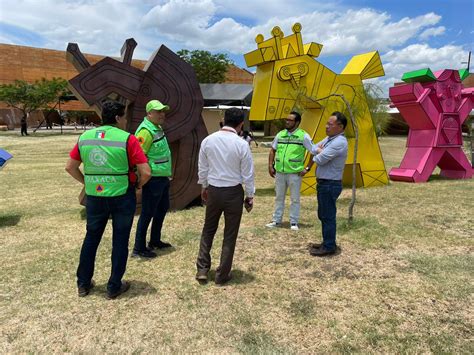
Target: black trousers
point(227, 200)
point(155, 204)
point(24, 129)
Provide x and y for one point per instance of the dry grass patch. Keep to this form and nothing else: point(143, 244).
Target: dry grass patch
point(403, 282)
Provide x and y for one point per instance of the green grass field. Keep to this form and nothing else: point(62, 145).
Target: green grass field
point(403, 282)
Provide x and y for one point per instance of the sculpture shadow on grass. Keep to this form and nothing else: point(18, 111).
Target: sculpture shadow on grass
point(239, 277)
point(137, 289)
point(9, 220)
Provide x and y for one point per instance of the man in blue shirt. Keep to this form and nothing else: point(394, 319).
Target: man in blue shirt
point(330, 155)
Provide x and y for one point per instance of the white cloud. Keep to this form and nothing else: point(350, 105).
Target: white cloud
point(356, 31)
point(258, 11)
point(419, 56)
point(341, 32)
point(231, 26)
point(432, 32)
point(180, 19)
point(98, 27)
point(102, 26)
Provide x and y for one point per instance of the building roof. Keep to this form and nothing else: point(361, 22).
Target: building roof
point(226, 94)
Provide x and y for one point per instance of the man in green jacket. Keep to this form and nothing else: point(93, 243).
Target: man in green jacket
point(109, 155)
point(155, 195)
point(286, 165)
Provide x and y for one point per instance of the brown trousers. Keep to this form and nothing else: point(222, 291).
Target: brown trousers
point(230, 201)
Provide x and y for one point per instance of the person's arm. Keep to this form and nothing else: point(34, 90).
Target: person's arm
point(271, 157)
point(308, 144)
point(247, 172)
point(271, 163)
point(145, 139)
point(316, 148)
point(248, 177)
point(203, 170)
point(144, 173)
point(328, 153)
point(138, 159)
point(72, 167)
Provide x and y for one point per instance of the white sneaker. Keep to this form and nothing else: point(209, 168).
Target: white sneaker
point(273, 225)
point(294, 227)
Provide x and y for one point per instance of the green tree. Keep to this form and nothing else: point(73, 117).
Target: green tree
point(30, 97)
point(209, 68)
point(378, 108)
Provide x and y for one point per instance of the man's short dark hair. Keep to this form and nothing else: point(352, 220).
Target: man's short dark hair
point(111, 109)
point(233, 117)
point(340, 118)
point(297, 116)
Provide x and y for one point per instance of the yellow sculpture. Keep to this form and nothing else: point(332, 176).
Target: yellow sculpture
point(289, 78)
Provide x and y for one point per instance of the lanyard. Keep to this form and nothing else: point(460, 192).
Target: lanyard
point(228, 130)
point(330, 139)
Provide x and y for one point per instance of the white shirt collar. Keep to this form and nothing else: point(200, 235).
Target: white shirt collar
point(229, 129)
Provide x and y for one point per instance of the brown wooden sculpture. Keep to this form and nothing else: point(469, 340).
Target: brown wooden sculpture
point(166, 77)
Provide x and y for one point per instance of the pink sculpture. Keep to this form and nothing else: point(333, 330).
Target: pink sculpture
point(434, 107)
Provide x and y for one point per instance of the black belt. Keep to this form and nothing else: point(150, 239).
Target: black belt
point(225, 187)
point(327, 180)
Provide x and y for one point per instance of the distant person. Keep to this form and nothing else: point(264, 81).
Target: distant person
point(286, 165)
point(330, 155)
point(24, 125)
point(109, 154)
point(225, 163)
point(155, 194)
point(49, 124)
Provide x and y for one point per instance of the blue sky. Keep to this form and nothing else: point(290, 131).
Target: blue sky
point(408, 34)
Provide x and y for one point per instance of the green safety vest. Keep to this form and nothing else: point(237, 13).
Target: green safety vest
point(290, 152)
point(104, 154)
point(159, 155)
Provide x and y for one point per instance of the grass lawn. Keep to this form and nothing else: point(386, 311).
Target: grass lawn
point(403, 282)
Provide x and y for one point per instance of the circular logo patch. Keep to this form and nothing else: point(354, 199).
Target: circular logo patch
point(99, 188)
point(98, 157)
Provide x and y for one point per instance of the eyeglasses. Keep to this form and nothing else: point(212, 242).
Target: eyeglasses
point(289, 120)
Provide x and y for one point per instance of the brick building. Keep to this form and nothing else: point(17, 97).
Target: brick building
point(31, 64)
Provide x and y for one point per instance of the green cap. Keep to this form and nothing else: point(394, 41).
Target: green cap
point(156, 105)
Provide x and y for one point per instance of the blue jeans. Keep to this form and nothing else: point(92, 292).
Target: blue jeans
point(155, 204)
point(328, 191)
point(282, 183)
point(98, 209)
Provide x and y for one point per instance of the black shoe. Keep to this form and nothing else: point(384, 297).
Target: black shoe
point(314, 245)
point(201, 276)
point(84, 291)
point(223, 281)
point(123, 288)
point(322, 251)
point(144, 254)
point(159, 245)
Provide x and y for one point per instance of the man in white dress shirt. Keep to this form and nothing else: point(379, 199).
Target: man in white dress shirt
point(225, 164)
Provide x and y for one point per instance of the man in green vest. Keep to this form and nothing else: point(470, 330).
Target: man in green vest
point(109, 154)
point(155, 194)
point(286, 165)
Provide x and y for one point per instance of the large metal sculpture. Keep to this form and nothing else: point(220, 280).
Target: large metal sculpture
point(165, 77)
point(435, 107)
point(288, 77)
